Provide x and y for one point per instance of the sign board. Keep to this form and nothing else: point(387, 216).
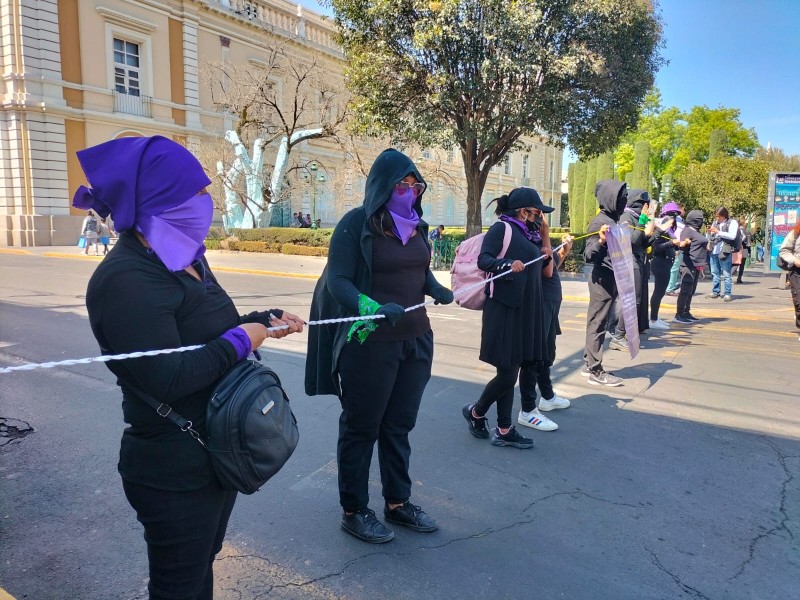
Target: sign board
point(783, 214)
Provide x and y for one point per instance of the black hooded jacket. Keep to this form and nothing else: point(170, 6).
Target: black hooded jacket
point(349, 271)
point(633, 210)
point(612, 197)
point(697, 255)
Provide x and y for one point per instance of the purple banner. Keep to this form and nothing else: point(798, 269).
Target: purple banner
point(618, 238)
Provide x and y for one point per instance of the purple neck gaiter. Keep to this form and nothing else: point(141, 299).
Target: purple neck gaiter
point(177, 234)
point(406, 219)
point(523, 227)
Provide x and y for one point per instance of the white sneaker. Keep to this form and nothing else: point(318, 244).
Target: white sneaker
point(536, 420)
point(659, 324)
point(554, 403)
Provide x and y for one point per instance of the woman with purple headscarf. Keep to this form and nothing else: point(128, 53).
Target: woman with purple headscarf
point(155, 290)
point(664, 250)
point(378, 263)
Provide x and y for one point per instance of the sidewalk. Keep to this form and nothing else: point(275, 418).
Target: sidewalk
point(759, 289)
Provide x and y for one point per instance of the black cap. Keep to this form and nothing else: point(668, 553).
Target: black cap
point(525, 197)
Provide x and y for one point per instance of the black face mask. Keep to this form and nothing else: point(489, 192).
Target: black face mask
point(535, 224)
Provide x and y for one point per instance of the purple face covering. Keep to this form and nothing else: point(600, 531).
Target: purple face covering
point(406, 219)
point(523, 226)
point(176, 235)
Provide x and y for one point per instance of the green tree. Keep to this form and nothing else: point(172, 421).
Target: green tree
point(623, 159)
point(701, 121)
point(736, 182)
point(589, 200)
point(640, 176)
point(717, 143)
point(480, 74)
point(605, 166)
point(778, 160)
point(570, 189)
point(576, 200)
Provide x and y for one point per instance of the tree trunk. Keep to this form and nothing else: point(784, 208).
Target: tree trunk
point(475, 184)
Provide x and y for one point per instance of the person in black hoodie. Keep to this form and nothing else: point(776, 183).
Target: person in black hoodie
point(513, 333)
point(694, 262)
point(612, 196)
point(378, 263)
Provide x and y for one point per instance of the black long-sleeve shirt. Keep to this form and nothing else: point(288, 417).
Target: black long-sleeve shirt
point(135, 304)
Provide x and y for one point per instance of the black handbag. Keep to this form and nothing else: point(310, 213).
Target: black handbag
point(250, 429)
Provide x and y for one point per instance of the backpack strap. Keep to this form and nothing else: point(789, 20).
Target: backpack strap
point(503, 250)
point(165, 410)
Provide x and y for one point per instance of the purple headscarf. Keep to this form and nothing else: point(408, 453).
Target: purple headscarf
point(150, 185)
point(401, 206)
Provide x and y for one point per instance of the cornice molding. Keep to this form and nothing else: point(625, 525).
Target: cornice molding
point(126, 20)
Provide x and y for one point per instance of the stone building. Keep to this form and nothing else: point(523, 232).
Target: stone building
point(75, 73)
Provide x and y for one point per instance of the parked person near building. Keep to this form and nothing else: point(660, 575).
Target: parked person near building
point(746, 246)
point(724, 240)
point(156, 290)
point(612, 197)
point(664, 257)
point(378, 264)
point(694, 263)
point(512, 334)
point(790, 253)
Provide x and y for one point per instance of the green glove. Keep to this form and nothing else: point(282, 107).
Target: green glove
point(643, 219)
point(362, 329)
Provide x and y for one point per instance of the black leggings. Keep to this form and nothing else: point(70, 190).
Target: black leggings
point(661, 268)
point(689, 278)
point(499, 390)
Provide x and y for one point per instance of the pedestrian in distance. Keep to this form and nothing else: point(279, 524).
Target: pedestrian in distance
point(665, 248)
point(693, 265)
point(533, 374)
point(512, 333)
point(724, 240)
point(435, 237)
point(758, 240)
point(746, 248)
point(89, 232)
point(378, 263)
point(155, 290)
point(789, 253)
point(612, 197)
point(104, 234)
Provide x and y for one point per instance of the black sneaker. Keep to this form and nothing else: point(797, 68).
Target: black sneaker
point(477, 427)
point(683, 319)
point(691, 317)
point(411, 516)
point(364, 525)
point(604, 379)
point(618, 344)
point(512, 438)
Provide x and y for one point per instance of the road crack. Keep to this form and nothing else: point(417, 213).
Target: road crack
point(685, 587)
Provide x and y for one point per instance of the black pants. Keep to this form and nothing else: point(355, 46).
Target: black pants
point(602, 292)
point(500, 391)
point(740, 270)
point(382, 386)
point(532, 374)
point(794, 282)
point(661, 268)
point(689, 279)
point(184, 532)
point(643, 313)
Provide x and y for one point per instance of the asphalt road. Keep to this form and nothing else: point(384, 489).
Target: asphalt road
point(681, 484)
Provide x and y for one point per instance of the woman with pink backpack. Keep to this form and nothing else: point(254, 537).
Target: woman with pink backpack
point(513, 332)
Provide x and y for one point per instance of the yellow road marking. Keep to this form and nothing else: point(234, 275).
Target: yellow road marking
point(269, 273)
point(13, 251)
point(4, 595)
point(74, 256)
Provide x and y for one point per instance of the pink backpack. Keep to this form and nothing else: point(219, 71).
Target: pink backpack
point(466, 274)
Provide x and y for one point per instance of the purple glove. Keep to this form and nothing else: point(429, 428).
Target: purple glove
point(238, 338)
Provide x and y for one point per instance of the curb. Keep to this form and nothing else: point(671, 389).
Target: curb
point(12, 251)
point(268, 273)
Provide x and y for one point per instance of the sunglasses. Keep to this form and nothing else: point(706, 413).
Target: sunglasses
point(404, 186)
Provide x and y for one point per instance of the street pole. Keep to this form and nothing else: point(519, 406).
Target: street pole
point(313, 167)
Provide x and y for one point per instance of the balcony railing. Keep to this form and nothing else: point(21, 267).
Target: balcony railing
point(141, 106)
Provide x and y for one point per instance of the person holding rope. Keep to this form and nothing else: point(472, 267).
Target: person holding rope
point(378, 264)
point(154, 291)
point(513, 335)
point(664, 251)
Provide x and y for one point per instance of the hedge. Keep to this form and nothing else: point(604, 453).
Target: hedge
point(285, 235)
point(303, 250)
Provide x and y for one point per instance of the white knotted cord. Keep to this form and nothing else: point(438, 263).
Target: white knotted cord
point(110, 357)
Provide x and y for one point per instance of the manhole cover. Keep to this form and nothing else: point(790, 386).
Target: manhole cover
point(13, 429)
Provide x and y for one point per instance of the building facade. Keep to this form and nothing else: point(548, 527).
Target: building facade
point(75, 73)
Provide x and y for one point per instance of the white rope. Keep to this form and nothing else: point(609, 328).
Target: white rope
point(110, 357)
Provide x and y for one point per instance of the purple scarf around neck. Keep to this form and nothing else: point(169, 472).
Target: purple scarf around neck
point(401, 206)
point(532, 236)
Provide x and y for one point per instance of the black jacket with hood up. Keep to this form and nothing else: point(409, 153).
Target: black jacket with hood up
point(612, 197)
point(633, 210)
point(697, 255)
point(349, 271)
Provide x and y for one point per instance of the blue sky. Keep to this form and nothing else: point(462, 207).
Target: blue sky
point(734, 53)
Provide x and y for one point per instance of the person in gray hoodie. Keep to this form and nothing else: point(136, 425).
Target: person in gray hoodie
point(612, 197)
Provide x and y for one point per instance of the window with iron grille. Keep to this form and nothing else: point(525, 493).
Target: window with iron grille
point(126, 67)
